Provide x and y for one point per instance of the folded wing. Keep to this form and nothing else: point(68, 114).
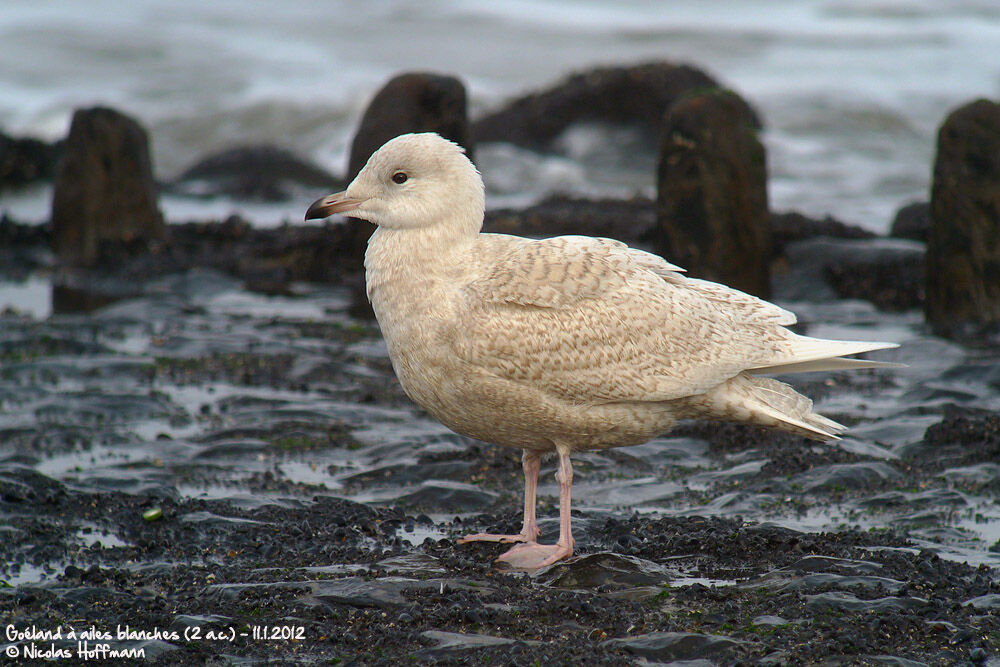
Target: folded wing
point(593, 321)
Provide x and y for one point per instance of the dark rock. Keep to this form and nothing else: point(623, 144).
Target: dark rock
point(838, 476)
point(412, 102)
point(607, 570)
point(14, 233)
point(268, 260)
point(448, 496)
point(712, 193)
point(963, 254)
point(276, 256)
point(26, 160)
point(793, 226)
point(453, 646)
point(977, 475)
point(265, 173)
point(85, 290)
point(964, 436)
point(386, 592)
point(891, 277)
point(636, 96)
point(825, 259)
point(913, 221)
point(402, 474)
point(769, 621)
point(813, 582)
point(846, 602)
point(24, 248)
point(989, 602)
point(628, 220)
point(633, 221)
point(822, 572)
point(887, 272)
point(663, 646)
point(933, 499)
point(104, 202)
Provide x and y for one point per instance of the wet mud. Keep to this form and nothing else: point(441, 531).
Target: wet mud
point(238, 478)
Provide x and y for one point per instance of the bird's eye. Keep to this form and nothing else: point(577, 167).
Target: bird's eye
point(399, 177)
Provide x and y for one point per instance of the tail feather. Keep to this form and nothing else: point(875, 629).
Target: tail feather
point(807, 354)
point(790, 408)
point(834, 364)
point(767, 402)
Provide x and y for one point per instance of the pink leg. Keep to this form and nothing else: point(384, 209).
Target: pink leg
point(532, 556)
point(531, 462)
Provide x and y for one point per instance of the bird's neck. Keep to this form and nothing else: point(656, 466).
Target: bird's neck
point(401, 264)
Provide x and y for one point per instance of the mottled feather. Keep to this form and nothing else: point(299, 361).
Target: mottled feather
point(593, 321)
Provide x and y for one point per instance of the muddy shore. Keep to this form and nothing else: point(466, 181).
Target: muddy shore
point(237, 477)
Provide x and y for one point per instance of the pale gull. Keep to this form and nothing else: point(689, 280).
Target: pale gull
point(562, 344)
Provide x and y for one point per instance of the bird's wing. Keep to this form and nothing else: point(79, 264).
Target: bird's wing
point(592, 321)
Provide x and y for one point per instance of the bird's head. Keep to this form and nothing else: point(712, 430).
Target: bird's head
point(413, 181)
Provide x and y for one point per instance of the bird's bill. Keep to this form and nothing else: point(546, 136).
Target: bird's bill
point(335, 203)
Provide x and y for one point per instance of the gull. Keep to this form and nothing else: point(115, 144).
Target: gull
point(563, 344)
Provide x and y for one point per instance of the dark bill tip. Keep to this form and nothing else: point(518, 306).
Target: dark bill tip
point(327, 206)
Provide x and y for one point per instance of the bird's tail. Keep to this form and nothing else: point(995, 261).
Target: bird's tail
point(806, 354)
point(766, 402)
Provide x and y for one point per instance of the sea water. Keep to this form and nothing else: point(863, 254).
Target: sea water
point(851, 91)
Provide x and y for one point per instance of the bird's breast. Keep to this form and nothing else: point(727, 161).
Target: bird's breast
point(414, 312)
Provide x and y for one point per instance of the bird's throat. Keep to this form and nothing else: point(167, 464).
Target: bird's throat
point(410, 271)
